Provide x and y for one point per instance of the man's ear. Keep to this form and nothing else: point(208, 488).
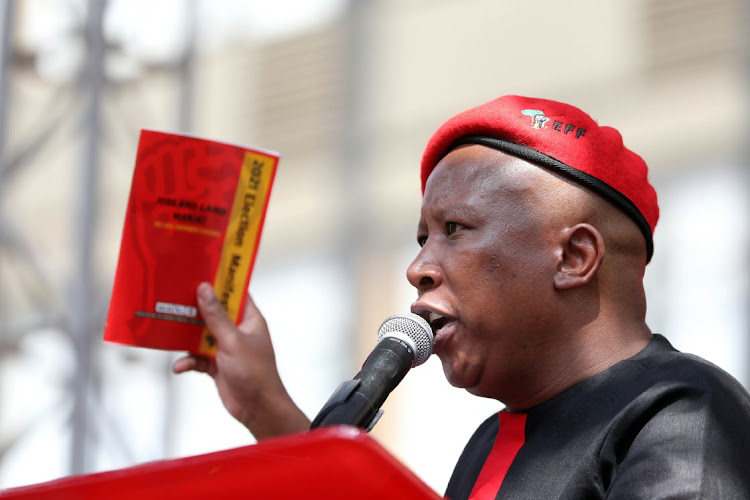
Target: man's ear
point(582, 254)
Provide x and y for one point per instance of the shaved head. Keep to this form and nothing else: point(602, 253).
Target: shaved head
point(557, 199)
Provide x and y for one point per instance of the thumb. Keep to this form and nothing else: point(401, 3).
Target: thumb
point(251, 313)
point(216, 318)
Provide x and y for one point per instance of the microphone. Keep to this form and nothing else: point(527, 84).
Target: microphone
point(404, 340)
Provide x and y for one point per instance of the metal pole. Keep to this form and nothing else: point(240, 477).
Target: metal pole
point(354, 161)
point(6, 44)
point(5, 60)
point(745, 160)
point(185, 111)
point(82, 298)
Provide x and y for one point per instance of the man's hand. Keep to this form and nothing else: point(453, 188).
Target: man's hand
point(245, 370)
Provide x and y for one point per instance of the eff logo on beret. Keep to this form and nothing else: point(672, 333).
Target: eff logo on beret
point(539, 120)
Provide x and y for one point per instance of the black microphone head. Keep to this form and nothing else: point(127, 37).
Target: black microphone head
point(412, 327)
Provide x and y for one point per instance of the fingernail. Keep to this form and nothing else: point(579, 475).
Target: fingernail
point(205, 292)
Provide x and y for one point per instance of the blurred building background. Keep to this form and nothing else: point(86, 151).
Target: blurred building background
point(349, 93)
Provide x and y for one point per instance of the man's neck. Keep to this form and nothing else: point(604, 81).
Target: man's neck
point(591, 351)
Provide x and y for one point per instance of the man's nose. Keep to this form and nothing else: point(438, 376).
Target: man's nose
point(424, 273)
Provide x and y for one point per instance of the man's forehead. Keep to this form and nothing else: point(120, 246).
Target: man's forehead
point(476, 183)
point(476, 168)
point(479, 183)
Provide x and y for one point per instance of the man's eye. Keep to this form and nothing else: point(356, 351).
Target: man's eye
point(451, 227)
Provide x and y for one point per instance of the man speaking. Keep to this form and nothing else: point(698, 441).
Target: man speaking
point(535, 230)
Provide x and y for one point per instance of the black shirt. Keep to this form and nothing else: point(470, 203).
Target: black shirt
point(661, 424)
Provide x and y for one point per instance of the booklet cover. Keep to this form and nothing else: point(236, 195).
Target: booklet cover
point(195, 213)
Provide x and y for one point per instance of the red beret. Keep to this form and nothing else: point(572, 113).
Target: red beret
point(561, 138)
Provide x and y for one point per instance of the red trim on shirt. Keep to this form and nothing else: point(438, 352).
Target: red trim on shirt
point(510, 438)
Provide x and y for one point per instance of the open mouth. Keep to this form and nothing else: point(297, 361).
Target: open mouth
point(437, 321)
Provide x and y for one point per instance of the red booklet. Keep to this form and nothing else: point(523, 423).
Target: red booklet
point(195, 213)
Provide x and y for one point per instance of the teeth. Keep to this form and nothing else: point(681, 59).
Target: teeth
point(435, 316)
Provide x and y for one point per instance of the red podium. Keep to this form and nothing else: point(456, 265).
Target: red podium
point(331, 463)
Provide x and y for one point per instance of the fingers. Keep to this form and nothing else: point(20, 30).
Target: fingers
point(216, 318)
point(252, 317)
point(251, 310)
point(194, 363)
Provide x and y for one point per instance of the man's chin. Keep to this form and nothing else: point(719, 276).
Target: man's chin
point(482, 392)
point(461, 379)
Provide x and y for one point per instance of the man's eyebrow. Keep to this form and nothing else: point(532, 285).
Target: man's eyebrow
point(452, 210)
point(458, 209)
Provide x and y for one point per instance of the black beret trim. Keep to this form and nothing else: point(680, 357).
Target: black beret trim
point(602, 188)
